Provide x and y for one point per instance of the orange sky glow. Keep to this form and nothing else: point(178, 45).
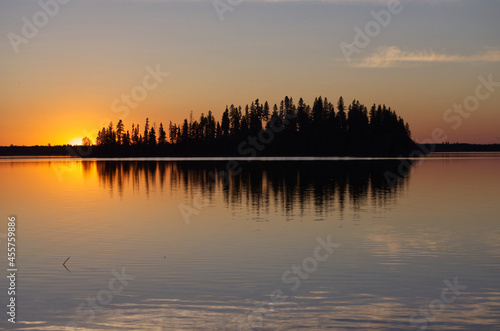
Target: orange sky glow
point(171, 58)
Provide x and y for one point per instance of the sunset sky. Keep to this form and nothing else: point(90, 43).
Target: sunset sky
point(66, 79)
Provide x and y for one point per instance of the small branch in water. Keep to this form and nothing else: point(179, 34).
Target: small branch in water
point(64, 263)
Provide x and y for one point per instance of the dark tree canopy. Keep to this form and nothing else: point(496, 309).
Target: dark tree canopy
point(290, 129)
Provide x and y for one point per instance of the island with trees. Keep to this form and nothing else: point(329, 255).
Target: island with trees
point(285, 129)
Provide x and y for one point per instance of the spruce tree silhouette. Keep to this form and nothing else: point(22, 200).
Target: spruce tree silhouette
point(296, 130)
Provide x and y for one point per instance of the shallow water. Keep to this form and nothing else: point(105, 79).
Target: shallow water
point(206, 249)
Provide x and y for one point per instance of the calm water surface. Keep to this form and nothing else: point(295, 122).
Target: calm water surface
point(201, 250)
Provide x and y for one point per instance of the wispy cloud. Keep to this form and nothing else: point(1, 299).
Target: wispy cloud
point(393, 56)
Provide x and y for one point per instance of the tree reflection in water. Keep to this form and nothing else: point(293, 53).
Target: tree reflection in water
point(261, 185)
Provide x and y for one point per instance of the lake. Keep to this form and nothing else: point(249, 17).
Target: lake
point(267, 244)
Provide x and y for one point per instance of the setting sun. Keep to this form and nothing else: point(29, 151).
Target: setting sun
point(76, 141)
point(258, 164)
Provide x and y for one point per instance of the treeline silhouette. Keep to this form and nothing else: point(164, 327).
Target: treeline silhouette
point(291, 187)
point(288, 129)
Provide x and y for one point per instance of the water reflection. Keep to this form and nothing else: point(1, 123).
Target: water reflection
point(294, 186)
point(439, 224)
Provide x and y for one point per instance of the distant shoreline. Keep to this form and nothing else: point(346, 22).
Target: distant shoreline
point(68, 150)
